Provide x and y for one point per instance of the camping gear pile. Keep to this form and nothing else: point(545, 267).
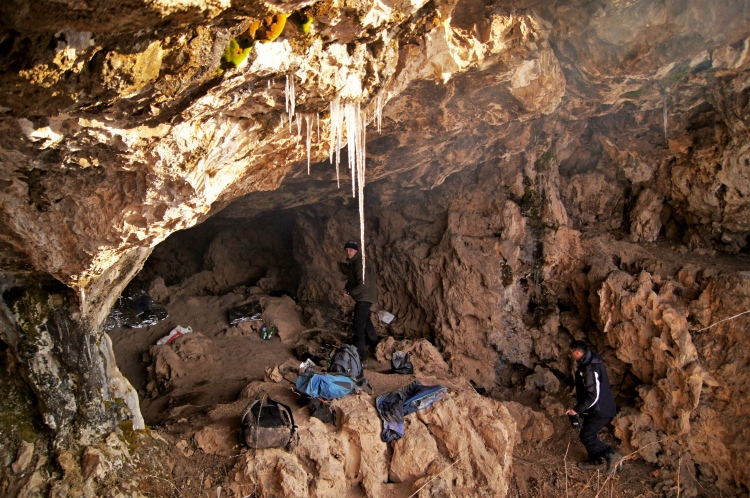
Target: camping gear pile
point(268, 422)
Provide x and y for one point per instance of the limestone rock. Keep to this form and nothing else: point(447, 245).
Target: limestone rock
point(543, 379)
point(171, 362)
point(646, 217)
point(684, 379)
point(217, 439)
point(414, 453)
point(483, 445)
point(425, 357)
point(23, 457)
point(92, 463)
point(531, 426)
point(516, 140)
point(158, 290)
point(355, 455)
point(283, 314)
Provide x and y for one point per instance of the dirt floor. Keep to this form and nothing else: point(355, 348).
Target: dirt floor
point(226, 358)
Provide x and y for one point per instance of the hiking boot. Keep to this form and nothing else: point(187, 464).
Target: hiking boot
point(589, 465)
point(614, 461)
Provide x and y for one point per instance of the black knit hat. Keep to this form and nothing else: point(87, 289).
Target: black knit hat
point(351, 245)
point(578, 346)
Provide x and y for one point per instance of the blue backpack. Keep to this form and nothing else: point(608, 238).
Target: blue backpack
point(325, 385)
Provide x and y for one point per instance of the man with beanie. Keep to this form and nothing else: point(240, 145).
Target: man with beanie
point(365, 293)
point(595, 404)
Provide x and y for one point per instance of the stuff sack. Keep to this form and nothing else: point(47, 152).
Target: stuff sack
point(401, 363)
point(424, 398)
point(346, 361)
point(266, 423)
point(323, 410)
point(326, 386)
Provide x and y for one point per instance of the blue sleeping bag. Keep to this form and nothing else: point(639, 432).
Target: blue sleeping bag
point(394, 406)
point(325, 386)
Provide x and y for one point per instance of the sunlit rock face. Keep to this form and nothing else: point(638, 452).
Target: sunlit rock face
point(515, 138)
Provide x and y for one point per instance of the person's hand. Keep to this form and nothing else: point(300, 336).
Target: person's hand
point(571, 412)
point(344, 292)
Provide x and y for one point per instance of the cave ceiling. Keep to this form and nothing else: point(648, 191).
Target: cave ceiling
point(123, 122)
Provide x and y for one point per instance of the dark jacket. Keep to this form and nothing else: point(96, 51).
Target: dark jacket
point(593, 392)
point(366, 291)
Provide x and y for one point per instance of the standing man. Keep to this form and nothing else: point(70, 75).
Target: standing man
point(595, 403)
point(365, 293)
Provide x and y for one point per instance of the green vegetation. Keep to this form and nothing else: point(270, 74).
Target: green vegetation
point(636, 94)
point(303, 21)
point(274, 26)
point(132, 437)
point(235, 54)
point(676, 74)
point(545, 160)
point(17, 411)
point(264, 31)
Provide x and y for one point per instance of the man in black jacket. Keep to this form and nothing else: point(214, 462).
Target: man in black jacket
point(364, 291)
point(595, 403)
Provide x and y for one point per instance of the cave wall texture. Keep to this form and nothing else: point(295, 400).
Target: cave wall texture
point(545, 170)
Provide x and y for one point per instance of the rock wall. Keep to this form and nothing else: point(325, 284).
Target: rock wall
point(514, 135)
point(473, 458)
point(498, 289)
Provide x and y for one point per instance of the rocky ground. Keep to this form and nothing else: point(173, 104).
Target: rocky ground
point(193, 389)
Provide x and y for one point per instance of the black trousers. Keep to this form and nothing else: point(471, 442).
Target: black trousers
point(592, 424)
point(364, 330)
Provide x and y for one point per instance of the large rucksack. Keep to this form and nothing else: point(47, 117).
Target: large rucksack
point(266, 423)
point(346, 361)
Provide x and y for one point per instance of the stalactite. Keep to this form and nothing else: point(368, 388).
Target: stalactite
point(335, 133)
point(379, 103)
point(665, 118)
point(290, 99)
point(307, 141)
point(350, 115)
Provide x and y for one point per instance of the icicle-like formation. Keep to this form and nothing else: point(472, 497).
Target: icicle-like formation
point(355, 138)
point(290, 99)
point(317, 118)
point(665, 118)
point(307, 142)
point(359, 166)
point(299, 125)
point(269, 84)
point(335, 135)
point(350, 115)
point(379, 110)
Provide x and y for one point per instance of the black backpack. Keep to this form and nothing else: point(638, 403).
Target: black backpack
point(266, 423)
point(401, 363)
point(346, 361)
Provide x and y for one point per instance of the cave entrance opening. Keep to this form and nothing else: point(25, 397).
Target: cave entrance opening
point(198, 275)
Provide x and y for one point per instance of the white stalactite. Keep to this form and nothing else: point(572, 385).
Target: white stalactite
point(290, 99)
point(665, 118)
point(307, 141)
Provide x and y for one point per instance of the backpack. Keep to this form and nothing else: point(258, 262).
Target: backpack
point(401, 363)
point(266, 423)
point(325, 386)
point(346, 361)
